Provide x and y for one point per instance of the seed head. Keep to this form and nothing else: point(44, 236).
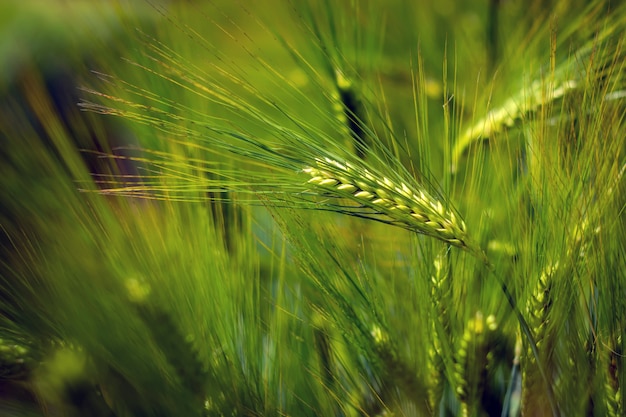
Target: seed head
point(402, 205)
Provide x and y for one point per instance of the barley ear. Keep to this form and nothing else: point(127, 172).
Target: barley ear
point(440, 327)
point(16, 359)
point(612, 384)
point(178, 349)
point(397, 373)
point(538, 310)
point(348, 109)
point(511, 113)
point(391, 201)
point(473, 359)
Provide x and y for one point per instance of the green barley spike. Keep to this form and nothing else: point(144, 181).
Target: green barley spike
point(538, 309)
point(393, 202)
point(325, 352)
point(472, 362)
point(440, 298)
point(349, 111)
point(441, 288)
point(177, 349)
point(397, 373)
point(435, 375)
point(612, 386)
point(17, 359)
point(166, 333)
